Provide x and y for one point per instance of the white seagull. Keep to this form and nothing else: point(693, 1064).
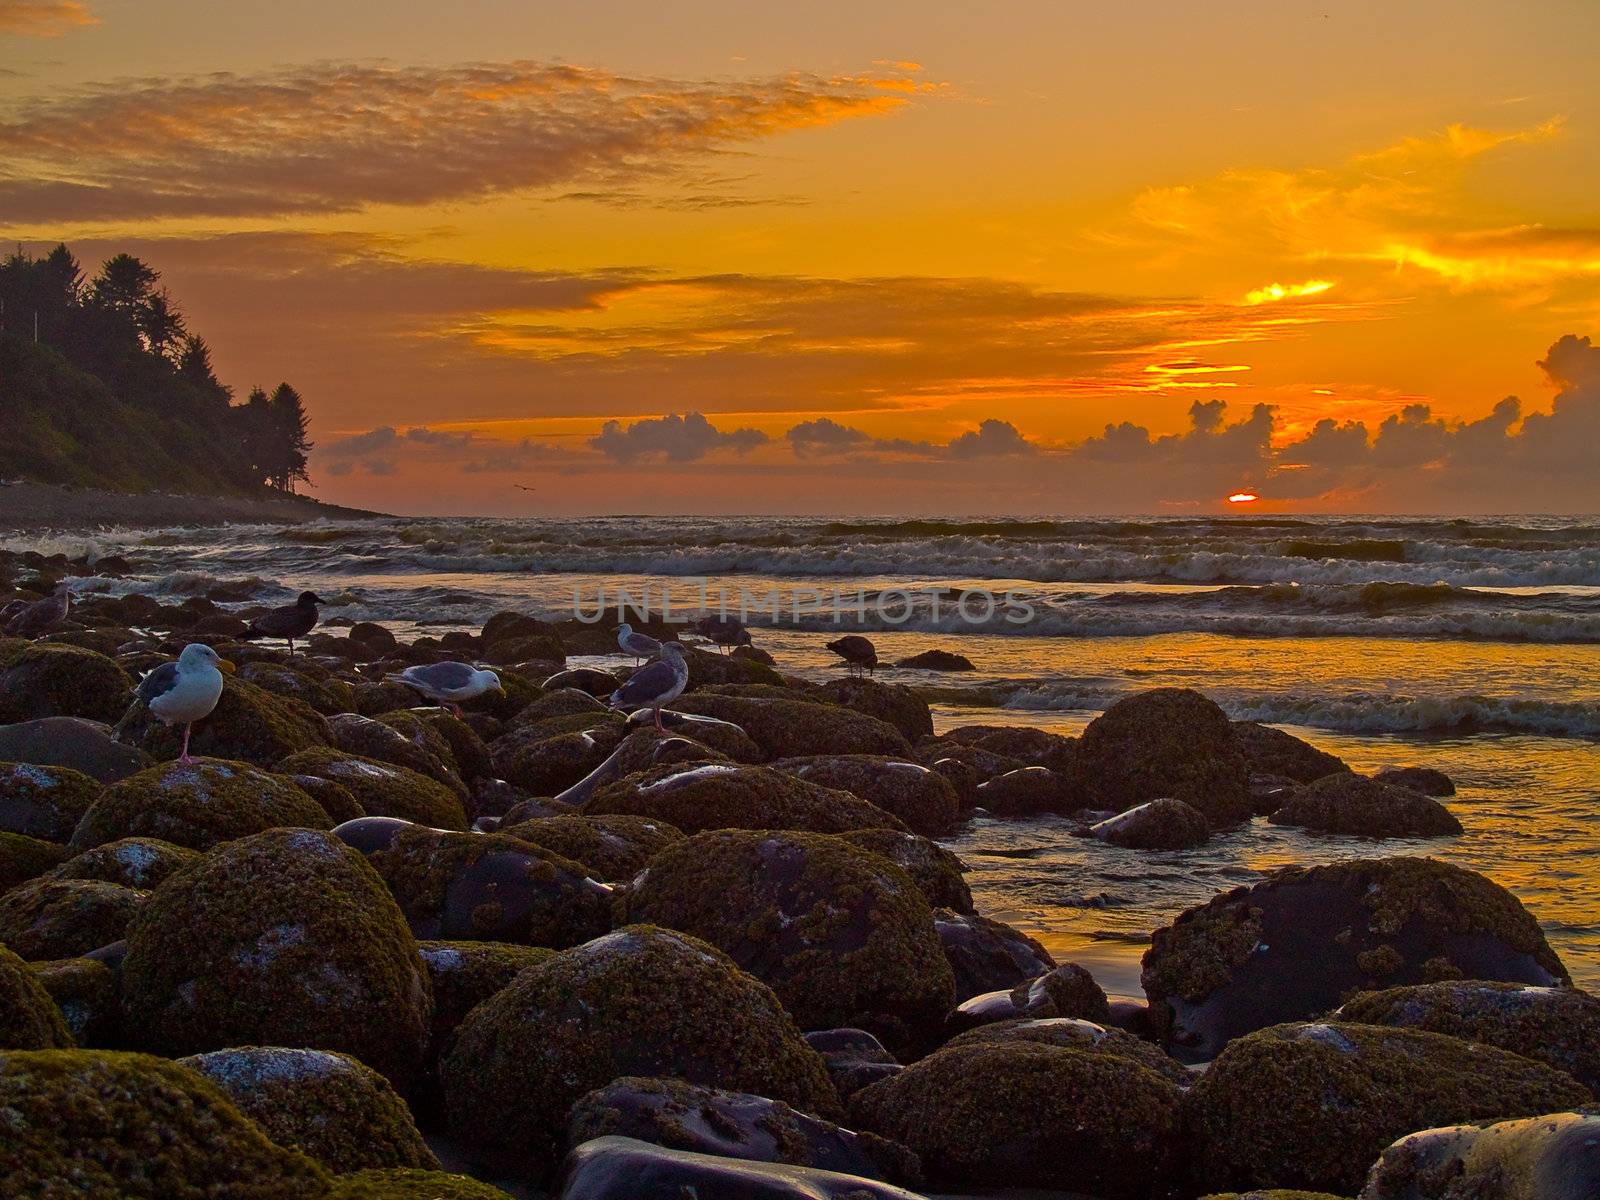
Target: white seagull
point(181, 692)
point(654, 684)
point(449, 682)
point(640, 645)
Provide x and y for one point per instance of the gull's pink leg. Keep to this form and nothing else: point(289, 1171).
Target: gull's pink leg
point(184, 756)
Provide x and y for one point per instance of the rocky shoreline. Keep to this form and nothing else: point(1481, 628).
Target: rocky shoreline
point(33, 508)
point(367, 948)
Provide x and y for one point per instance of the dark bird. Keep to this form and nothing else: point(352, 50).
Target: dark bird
point(39, 616)
point(724, 631)
point(856, 650)
point(654, 684)
point(288, 622)
point(181, 692)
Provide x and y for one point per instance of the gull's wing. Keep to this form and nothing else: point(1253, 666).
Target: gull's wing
point(644, 685)
point(157, 683)
point(444, 676)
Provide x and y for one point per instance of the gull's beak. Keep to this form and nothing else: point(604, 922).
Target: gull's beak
point(500, 688)
point(226, 667)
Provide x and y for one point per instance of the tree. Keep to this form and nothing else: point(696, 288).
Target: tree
point(290, 427)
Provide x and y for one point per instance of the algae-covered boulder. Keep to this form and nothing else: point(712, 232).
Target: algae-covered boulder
point(1427, 780)
point(29, 1016)
point(62, 918)
point(73, 742)
point(893, 703)
point(1300, 942)
point(1271, 751)
point(23, 858)
point(1312, 1105)
point(922, 798)
point(795, 728)
point(1273, 1194)
point(1029, 791)
point(1166, 742)
point(285, 938)
point(322, 1103)
point(986, 955)
point(609, 847)
point(96, 1123)
point(546, 763)
point(854, 1058)
point(61, 681)
point(383, 789)
point(1559, 1026)
point(326, 694)
point(937, 871)
point(400, 738)
point(196, 805)
point(381, 696)
point(841, 934)
point(249, 724)
point(465, 974)
point(697, 797)
point(408, 1183)
point(85, 990)
point(1549, 1157)
point(466, 747)
point(491, 887)
point(1067, 991)
point(1082, 1035)
point(1016, 745)
point(639, 1001)
point(1164, 824)
point(1349, 803)
point(686, 1116)
point(136, 862)
point(621, 1168)
point(336, 800)
point(43, 802)
point(1029, 1114)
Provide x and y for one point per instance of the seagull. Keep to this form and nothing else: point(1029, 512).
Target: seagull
point(654, 684)
point(180, 692)
point(449, 682)
point(37, 617)
point(640, 645)
point(857, 651)
point(288, 622)
point(724, 630)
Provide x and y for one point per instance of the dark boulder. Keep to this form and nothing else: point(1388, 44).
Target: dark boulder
point(1165, 824)
point(986, 955)
point(619, 1168)
point(1353, 804)
point(1271, 751)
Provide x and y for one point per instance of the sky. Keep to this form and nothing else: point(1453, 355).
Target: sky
point(1024, 257)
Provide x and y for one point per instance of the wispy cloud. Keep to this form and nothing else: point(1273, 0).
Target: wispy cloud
point(44, 18)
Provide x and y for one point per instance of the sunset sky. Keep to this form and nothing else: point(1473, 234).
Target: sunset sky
point(857, 257)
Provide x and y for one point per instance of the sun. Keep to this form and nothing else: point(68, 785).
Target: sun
point(1243, 498)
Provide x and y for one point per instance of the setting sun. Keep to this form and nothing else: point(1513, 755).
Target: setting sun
point(1243, 498)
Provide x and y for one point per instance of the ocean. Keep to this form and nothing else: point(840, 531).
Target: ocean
point(1468, 645)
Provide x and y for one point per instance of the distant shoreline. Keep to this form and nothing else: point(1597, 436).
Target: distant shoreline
point(33, 508)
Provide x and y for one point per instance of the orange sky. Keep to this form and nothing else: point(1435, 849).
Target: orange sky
point(847, 235)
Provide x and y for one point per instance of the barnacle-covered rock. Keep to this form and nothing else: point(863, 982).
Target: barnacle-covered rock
point(408, 1183)
point(1271, 751)
point(1164, 824)
point(1079, 1034)
point(1549, 1157)
point(23, 858)
point(85, 990)
point(249, 724)
point(1427, 780)
point(400, 738)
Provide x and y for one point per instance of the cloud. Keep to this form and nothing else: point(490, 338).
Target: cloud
point(672, 438)
point(339, 137)
point(44, 18)
point(990, 440)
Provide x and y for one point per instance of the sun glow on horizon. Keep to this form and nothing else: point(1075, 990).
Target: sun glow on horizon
point(1243, 498)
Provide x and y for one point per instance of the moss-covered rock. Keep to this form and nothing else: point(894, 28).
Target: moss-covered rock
point(590, 680)
point(491, 887)
point(467, 749)
point(841, 934)
point(249, 725)
point(139, 862)
point(62, 918)
point(1306, 938)
point(1018, 745)
point(336, 800)
point(1166, 742)
point(1312, 1105)
point(923, 799)
point(1348, 803)
point(795, 728)
point(1164, 824)
point(465, 974)
point(967, 768)
point(1029, 791)
point(29, 1016)
point(1549, 1157)
point(935, 870)
point(1067, 991)
point(43, 802)
point(1273, 1194)
point(400, 738)
point(1029, 1114)
point(986, 955)
point(402, 1183)
point(610, 848)
point(325, 1104)
point(699, 797)
point(285, 938)
point(1559, 1026)
point(546, 762)
point(85, 990)
point(196, 805)
point(61, 681)
point(381, 696)
point(1080, 1034)
point(98, 1123)
point(1271, 751)
point(893, 703)
point(639, 1001)
point(1427, 780)
point(325, 693)
point(383, 789)
point(23, 858)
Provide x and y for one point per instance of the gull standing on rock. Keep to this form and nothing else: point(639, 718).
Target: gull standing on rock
point(857, 651)
point(654, 684)
point(39, 616)
point(288, 622)
point(640, 645)
point(449, 682)
point(181, 692)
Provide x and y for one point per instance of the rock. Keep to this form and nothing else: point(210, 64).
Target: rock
point(1079, 1034)
point(590, 680)
point(491, 887)
point(1067, 991)
point(609, 848)
point(374, 637)
point(986, 955)
point(1295, 945)
point(383, 789)
point(695, 798)
point(754, 654)
point(966, 767)
point(85, 991)
point(1311, 1105)
point(1549, 1157)
point(1166, 742)
point(327, 696)
point(382, 696)
point(1164, 824)
point(797, 728)
point(61, 681)
point(62, 918)
point(404, 1183)
point(137, 1128)
point(468, 750)
point(465, 974)
point(723, 670)
point(1419, 779)
point(1268, 793)
point(1354, 804)
point(854, 1058)
point(840, 934)
point(334, 798)
point(29, 1017)
point(619, 1168)
point(197, 805)
point(547, 765)
point(935, 870)
point(721, 738)
point(73, 742)
point(249, 725)
point(1559, 1026)
point(1029, 791)
point(920, 797)
point(43, 801)
point(637, 1000)
point(23, 858)
point(401, 739)
point(324, 1104)
point(1271, 751)
point(894, 703)
point(283, 938)
point(1029, 1114)
point(685, 1116)
point(938, 660)
point(142, 863)
point(1016, 745)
